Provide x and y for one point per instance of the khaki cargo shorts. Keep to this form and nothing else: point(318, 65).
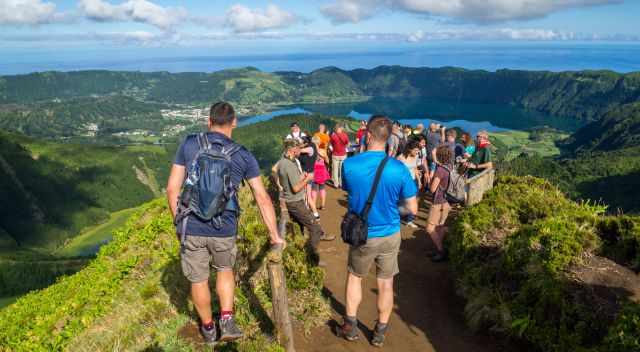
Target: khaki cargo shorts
point(202, 252)
point(381, 250)
point(438, 214)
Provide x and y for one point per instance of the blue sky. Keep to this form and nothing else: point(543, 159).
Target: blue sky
point(245, 27)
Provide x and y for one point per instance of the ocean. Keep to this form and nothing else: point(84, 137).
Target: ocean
point(552, 56)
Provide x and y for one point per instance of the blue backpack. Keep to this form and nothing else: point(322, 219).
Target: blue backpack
point(207, 191)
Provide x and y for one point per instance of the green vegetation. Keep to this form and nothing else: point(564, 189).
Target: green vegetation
point(52, 191)
point(133, 295)
point(529, 263)
point(538, 142)
point(89, 241)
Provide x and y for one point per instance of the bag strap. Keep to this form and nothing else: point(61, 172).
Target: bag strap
point(203, 141)
point(374, 188)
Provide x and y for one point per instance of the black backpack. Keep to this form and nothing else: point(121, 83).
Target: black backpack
point(207, 191)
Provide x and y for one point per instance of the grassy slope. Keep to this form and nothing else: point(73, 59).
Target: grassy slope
point(73, 186)
point(515, 143)
point(90, 239)
point(134, 297)
point(519, 256)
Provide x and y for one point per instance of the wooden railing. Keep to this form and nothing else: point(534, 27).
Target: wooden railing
point(478, 185)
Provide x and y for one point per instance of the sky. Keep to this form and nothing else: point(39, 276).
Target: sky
point(255, 24)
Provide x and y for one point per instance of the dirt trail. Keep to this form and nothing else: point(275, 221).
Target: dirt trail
point(427, 314)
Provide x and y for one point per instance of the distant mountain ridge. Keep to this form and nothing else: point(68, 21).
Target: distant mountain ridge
point(585, 95)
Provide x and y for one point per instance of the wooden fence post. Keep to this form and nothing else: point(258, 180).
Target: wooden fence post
point(279, 299)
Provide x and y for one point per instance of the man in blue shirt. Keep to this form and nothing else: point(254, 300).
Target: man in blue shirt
point(383, 244)
point(207, 245)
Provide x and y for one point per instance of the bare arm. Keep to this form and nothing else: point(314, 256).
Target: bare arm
point(298, 187)
point(412, 205)
point(176, 179)
point(265, 205)
point(434, 184)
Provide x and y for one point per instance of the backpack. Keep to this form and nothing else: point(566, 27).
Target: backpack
point(207, 191)
point(455, 192)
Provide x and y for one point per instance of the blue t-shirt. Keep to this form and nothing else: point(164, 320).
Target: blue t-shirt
point(244, 167)
point(395, 185)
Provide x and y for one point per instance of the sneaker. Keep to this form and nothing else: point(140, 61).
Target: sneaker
point(439, 257)
point(316, 215)
point(229, 331)
point(378, 335)
point(348, 330)
point(412, 225)
point(209, 336)
point(327, 237)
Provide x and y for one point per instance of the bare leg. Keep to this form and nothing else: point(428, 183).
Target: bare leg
point(353, 294)
point(385, 300)
point(323, 197)
point(435, 237)
point(311, 200)
point(201, 296)
point(225, 287)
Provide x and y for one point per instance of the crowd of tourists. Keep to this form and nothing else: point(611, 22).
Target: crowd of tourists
point(385, 168)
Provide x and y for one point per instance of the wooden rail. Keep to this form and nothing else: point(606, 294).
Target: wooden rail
point(280, 303)
point(478, 185)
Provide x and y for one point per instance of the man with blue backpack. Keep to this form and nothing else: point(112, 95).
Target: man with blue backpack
point(202, 191)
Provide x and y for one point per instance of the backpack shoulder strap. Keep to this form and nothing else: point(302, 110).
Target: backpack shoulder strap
point(203, 141)
point(232, 148)
point(374, 188)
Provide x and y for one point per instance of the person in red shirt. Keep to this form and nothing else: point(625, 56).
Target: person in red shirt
point(361, 131)
point(339, 145)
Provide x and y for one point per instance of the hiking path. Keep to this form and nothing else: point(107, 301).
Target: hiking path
point(427, 316)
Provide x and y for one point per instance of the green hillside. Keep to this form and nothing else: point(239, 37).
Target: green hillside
point(561, 275)
point(51, 191)
point(133, 296)
point(601, 161)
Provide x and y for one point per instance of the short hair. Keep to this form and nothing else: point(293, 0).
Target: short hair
point(443, 154)
point(452, 132)
point(411, 145)
point(294, 124)
point(290, 143)
point(483, 133)
point(222, 114)
point(380, 128)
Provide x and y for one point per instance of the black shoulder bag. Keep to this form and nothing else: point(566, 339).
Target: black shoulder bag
point(354, 227)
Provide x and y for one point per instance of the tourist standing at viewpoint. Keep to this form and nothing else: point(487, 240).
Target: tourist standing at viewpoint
point(383, 243)
point(469, 145)
point(339, 145)
point(435, 137)
point(211, 243)
point(323, 137)
point(457, 149)
point(294, 182)
point(361, 132)
point(481, 159)
point(397, 140)
point(320, 177)
point(307, 158)
point(411, 159)
point(440, 208)
point(295, 132)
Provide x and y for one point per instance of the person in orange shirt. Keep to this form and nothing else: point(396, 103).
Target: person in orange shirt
point(324, 138)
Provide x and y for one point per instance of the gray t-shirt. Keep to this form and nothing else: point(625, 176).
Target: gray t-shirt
point(289, 174)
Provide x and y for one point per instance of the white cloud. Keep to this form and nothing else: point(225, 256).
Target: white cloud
point(242, 19)
point(28, 12)
point(142, 11)
point(343, 11)
point(416, 36)
point(478, 11)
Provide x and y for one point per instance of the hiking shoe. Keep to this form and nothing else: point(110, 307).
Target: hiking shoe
point(326, 237)
point(316, 215)
point(412, 225)
point(209, 336)
point(439, 257)
point(348, 330)
point(229, 331)
point(378, 334)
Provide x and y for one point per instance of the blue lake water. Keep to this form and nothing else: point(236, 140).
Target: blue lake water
point(469, 117)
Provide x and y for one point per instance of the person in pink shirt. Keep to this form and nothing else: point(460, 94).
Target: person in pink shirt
point(339, 145)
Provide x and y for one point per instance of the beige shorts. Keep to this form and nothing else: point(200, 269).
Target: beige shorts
point(381, 250)
point(438, 214)
point(202, 253)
